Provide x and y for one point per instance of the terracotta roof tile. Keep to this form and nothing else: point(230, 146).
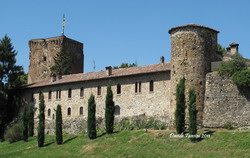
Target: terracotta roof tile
point(103, 75)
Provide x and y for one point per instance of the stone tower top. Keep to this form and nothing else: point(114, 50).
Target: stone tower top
point(43, 51)
point(191, 25)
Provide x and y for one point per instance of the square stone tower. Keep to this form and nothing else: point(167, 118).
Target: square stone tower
point(43, 51)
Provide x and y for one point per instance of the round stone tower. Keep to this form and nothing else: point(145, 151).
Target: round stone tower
point(193, 48)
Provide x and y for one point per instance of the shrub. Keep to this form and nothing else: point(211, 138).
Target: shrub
point(229, 67)
point(41, 124)
point(31, 119)
point(25, 124)
point(180, 107)
point(91, 117)
point(59, 137)
point(14, 133)
point(242, 78)
point(109, 110)
point(228, 125)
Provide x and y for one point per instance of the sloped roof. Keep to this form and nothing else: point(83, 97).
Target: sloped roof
point(103, 75)
point(191, 25)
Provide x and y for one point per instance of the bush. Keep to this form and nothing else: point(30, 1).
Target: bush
point(228, 125)
point(91, 117)
point(242, 78)
point(25, 124)
point(59, 136)
point(109, 110)
point(192, 114)
point(14, 133)
point(230, 67)
point(41, 124)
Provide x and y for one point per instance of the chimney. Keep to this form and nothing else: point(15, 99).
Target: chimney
point(108, 70)
point(162, 60)
point(228, 50)
point(234, 48)
point(59, 76)
point(53, 78)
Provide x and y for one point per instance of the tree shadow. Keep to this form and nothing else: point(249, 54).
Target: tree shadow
point(66, 141)
point(203, 136)
point(245, 92)
point(104, 133)
point(48, 144)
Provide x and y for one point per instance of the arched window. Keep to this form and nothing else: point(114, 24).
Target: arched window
point(49, 112)
point(53, 116)
point(81, 92)
point(69, 93)
point(99, 90)
point(117, 110)
point(81, 111)
point(69, 111)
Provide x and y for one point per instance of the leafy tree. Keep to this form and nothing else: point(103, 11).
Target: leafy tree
point(10, 78)
point(41, 124)
point(192, 113)
point(221, 49)
point(61, 63)
point(25, 124)
point(91, 117)
point(31, 119)
point(229, 67)
point(125, 65)
point(180, 107)
point(110, 110)
point(242, 78)
point(59, 136)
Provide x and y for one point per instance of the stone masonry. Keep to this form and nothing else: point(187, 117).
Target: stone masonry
point(43, 51)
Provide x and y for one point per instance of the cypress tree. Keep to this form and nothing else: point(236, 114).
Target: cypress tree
point(59, 136)
point(31, 119)
point(192, 113)
point(41, 124)
point(109, 111)
point(91, 117)
point(180, 107)
point(25, 124)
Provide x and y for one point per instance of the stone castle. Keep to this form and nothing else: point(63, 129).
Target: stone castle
point(147, 91)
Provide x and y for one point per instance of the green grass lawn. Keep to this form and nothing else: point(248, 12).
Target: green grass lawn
point(222, 143)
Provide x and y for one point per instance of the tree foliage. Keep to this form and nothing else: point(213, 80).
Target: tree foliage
point(109, 110)
point(180, 106)
point(31, 119)
point(242, 78)
point(62, 63)
point(221, 49)
point(91, 117)
point(11, 76)
point(229, 67)
point(125, 65)
point(59, 136)
point(192, 113)
point(41, 124)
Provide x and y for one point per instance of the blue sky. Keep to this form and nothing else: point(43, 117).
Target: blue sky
point(116, 31)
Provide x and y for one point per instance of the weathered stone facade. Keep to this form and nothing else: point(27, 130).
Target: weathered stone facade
point(147, 91)
point(43, 51)
point(225, 102)
point(193, 48)
point(128, 103)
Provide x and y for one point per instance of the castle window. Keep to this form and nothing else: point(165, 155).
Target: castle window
point(117, 110)
point(49, 95)
point(136, 87)
point(69, 93)
point(99, 90)
point(69, 111)
point(49, 112)
point(32, 96)
point(151, 86)
point(139, 86)
point(53, 116)
point(58, 94)
point(81, 92)
point(44, 58)
point(81, 111)
point(118, 88)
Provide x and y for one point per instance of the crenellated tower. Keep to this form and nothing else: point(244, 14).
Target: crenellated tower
point(43, 51)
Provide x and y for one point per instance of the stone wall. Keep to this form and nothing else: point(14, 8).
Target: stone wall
point(128, 104)
point(43, 51)
point(225, 102)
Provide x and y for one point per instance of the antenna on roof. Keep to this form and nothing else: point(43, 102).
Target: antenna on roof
point(94, 65)
point(63, 24)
